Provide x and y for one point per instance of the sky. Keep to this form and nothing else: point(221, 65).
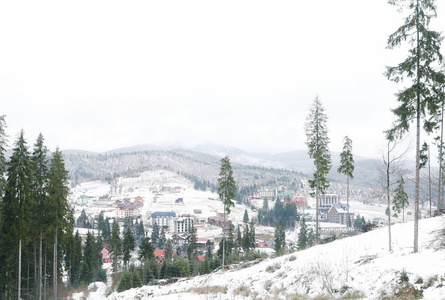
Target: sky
point(100, 75)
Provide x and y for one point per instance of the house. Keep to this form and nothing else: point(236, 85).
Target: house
point(183, 224)
point(166, 189)
point(299, 201)
point(180, 200)
point(338, 213)
point(219, 221)
point(127, 210)
point(139, 199)
point(176, 189)
point(160, 254)
point(163, 219)
point(203, 243)
point(105, 257)
point(201, 258)
point(83, 199)
point(197, 211)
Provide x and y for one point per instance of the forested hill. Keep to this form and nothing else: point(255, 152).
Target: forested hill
point(196, 166)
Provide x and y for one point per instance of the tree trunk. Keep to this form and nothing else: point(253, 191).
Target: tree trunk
point(347, 203)
point(19, 289)
point(388, 198)
point(224, 238)
point(40, 269)
point(55, 266)
point(44, 280)
point(429, 177)
point(440, 163)
point(416, 217)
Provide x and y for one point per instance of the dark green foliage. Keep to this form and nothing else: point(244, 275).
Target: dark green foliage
point(155, 234)
point(280, 238)
point(191, 244)
point(423, 156)
point(146, 250)
point(128, 245)
point(161, 240)
point(287, 214)
point(126, 282)
point(400, 198)
point(82, 220)
point(303, 235)
point(116, 245)
point(246, 216)
point(15, 213)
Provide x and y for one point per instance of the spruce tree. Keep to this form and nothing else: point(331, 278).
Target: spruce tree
point(192, 245)
point(347, 168)
point(246, 217)
point(16, 215)
point(146, 250)
point(280, 238)
point(226, 192)
point(40, 200)
point(60, 216)
point(303, 235)
point(400, 198)
point(418, 100)
point(155, 234)
point(128, 245)
point(317, 142)
point(116, 245)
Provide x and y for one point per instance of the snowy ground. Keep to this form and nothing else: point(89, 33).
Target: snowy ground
point(362, 263)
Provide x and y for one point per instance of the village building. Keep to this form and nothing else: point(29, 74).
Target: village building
point(127, 210)
point(183, 224)
point(326, 201)
point(338, 213)
point(163, 219)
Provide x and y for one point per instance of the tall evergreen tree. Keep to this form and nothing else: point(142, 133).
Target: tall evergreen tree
point(246, 217)
point(226, 192)
point(303, 235)
point(418, 100)
point(317, 142)
point(155, 234)
point(192, 245)
point(3, 144)
point(128, 245)
point(347, 168)
point(40, 200)
point(280, 238)
point(116, 245)
point(146, 250)
point(16, 216)
point(60, 215)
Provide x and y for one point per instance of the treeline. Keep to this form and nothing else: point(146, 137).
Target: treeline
point(287, 213)
point(36, 223)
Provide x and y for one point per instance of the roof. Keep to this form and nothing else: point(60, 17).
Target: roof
point(201, 257)
point(341, 208)
point(163, 214)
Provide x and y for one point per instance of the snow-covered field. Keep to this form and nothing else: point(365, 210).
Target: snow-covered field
point(361, 263)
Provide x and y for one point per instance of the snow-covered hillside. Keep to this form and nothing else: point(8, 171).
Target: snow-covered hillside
point(360, 265)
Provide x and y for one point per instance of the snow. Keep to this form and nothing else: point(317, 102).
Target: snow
point(363, 263)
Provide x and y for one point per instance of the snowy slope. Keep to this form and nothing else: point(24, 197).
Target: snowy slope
point(363, 263)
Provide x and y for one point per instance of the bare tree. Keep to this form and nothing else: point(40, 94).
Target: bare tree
point(393, 163)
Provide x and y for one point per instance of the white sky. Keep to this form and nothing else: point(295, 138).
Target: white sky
point(98, 75)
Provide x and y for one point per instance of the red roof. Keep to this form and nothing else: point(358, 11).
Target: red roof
point(201, 257)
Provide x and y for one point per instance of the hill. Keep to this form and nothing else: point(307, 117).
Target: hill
point(358, 267)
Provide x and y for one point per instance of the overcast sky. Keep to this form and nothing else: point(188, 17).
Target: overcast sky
point(98, 75)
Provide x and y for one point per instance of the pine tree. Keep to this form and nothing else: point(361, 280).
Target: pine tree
point(400, 198)
point(60, 216)
point(302, 236)
point(347, 168)
point(280, 238)
point(146, 250)
point(162, 239)
point(226, 192)
point(246, 217)
point(155, 234)
point(40, 199)
point(116, 245)
point(418, 100)
point(192, 246)
point(128, 245)
point(317, 142)
point(3, 144)
point(16, 215)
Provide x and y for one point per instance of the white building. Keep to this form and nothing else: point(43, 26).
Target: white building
point(183, 224)
point(163, 219)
